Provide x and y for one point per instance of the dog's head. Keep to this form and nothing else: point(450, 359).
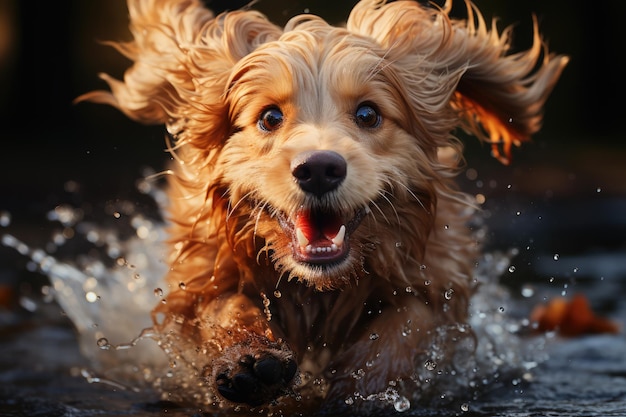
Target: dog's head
point(323, 142)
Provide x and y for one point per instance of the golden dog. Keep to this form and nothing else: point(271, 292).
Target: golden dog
point(319, 243)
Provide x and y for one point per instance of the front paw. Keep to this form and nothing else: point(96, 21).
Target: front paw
point(254, 376)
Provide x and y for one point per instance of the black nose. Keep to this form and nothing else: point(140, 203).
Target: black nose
point(319, 172)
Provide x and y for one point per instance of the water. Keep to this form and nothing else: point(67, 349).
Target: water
point(82, 344)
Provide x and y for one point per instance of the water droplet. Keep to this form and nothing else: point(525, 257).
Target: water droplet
point(374, 336)
point(556, 257)
point(398, 244)
point(575, 269)
point(446, 227)
point(103, 343)
point(464, 407)
point(266, 306)
point(349, 401)
point(358, 374)
point(401, 404)
point(91, 296)
point(5, 218)
point(448, 294)
point(182, 286)
point(517, 213)
point(598, 190)
point(501, 309)
point(471, 174)
point(430, 365)
point(158, 292)
point(277, 294)
point(93, 236)
point(512, 268)
point(528, 291)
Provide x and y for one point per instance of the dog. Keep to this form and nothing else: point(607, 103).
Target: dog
point(319, 242)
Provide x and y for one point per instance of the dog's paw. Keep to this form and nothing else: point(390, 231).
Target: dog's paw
point(254, 378)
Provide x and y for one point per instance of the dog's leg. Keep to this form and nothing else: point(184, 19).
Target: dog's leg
point(253, 367)
point(385, 355)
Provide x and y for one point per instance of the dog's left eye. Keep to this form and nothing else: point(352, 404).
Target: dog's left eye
point(367, 116)
point(270, 119)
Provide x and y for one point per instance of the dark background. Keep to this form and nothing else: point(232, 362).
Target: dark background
point(50, 54)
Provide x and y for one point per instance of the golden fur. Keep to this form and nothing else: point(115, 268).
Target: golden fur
point(246, 103)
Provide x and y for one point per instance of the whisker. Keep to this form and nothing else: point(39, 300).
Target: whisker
point(260, 208)
point(412, 194)
point(383, 195)
point(231, 209)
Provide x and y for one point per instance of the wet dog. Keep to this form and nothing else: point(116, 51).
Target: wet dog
point(319, 243)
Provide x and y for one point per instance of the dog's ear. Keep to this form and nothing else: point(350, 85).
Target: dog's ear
point(467, 65)
point(182, 57)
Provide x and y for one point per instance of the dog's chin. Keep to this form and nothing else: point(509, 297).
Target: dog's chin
point(319, 248)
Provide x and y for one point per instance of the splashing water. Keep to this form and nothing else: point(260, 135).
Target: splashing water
point(109, 289)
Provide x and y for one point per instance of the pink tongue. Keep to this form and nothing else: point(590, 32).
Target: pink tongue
point(317, 225)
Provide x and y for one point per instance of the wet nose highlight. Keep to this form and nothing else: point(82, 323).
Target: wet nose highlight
point(319, 172)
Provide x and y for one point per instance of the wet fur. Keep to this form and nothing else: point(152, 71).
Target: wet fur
point(208, 79)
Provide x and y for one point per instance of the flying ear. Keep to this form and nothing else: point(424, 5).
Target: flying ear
point(182, 57)
point(497, 96)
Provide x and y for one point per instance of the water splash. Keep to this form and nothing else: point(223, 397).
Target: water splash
point(110, 287)
point(107, 288)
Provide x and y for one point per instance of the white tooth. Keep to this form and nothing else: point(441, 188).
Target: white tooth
point(338, 240)
point(333, 247)
point(302, 240)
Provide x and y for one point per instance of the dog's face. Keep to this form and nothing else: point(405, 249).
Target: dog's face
point(321, 151)
point(317, 145)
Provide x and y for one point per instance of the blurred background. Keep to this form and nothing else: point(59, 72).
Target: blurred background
point(564, 192)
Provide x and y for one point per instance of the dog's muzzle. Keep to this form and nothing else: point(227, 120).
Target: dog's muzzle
point(320, 236)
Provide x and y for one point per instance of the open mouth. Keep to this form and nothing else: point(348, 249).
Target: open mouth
point(320, 237)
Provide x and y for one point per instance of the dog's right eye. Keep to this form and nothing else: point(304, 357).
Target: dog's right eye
point(270, 119)
point(367, 116)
